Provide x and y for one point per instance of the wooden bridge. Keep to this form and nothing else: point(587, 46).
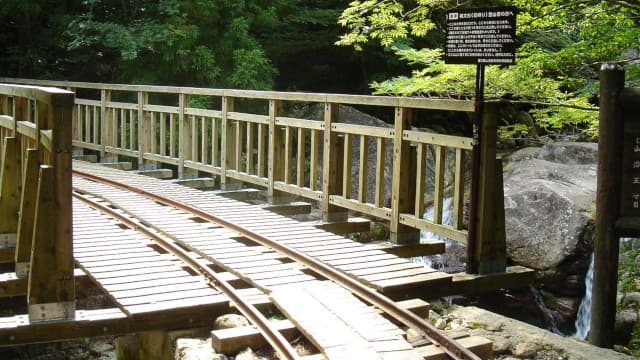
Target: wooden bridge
point(240, 138)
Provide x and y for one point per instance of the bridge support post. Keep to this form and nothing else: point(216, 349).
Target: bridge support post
point(10, 189)
point(51, 288)
point(331, 168)
point(490, 244)
point(403, 186)
point(276, 158)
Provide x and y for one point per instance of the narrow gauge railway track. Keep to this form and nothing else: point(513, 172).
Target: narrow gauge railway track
point(431, 334)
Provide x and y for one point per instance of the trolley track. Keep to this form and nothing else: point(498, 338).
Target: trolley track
point(451, 347)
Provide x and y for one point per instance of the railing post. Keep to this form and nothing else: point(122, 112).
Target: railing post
point(403, 185)
point(51, 289)
point(610, 170)
point(106, 127)
point(227, 144)
point(185, 139)
point(275, 167)
point(490, 243)
point(331, 167)
point(145, 132)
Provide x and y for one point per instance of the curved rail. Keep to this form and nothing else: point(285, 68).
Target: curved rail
point(272, 335)
point(451, 347)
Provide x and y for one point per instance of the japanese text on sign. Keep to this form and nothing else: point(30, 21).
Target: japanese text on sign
point(481, 36)
point(630, 201)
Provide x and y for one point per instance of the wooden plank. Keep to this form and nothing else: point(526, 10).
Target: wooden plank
point(300, 157)
point(381, 151)
point(363, 173)
point(389, 268)
point(424, 248)
point(458, 191)
point(398, 284)
point(152, 299)
point(439, 185)
point(478, 345)
point(231, 341)
point(27, 212)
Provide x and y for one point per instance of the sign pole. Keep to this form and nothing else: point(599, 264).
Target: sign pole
point(472, 266)
point(606, 243)
point(482, 36)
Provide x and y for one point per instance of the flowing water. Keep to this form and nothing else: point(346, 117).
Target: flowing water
point(453, 259)
point(583, 321)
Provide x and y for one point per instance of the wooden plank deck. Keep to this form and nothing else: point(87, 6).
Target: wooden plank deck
point(340, 325)
point(368, 263)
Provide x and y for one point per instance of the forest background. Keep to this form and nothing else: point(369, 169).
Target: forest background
point(377, 46)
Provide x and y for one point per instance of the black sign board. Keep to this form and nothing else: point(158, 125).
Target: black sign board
point(481, 36)
point(630, 187)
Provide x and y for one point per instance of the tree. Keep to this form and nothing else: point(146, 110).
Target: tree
point(562, 45)
point(193, 42)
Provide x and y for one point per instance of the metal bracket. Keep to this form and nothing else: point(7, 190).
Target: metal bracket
point(52, 311)
point(22, 269)
point(8, 240)
point(147, 166)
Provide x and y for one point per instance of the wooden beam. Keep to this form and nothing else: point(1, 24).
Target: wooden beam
point(51, 292)
point(332, 157)
point(10, 188)
point(403, 187)
point(490, 244)
point(27, 213)
point(18, 330)
point(230, 341)
point(351, 225)
point(424, 248)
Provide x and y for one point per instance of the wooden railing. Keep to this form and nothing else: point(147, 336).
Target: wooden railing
point(35, 194)
point(252, 137)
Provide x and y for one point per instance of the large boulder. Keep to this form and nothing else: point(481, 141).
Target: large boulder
point(549, 201)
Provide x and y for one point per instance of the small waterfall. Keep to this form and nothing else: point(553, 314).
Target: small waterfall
point(583, 321)
point(440, 262)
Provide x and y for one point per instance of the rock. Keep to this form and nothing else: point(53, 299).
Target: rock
point(565, 306)
point(434, 316)
point(625, 322)
point(412, 335)
point(500, 345)
point(441, 324)
point(547, 209)
point(230, 321)
point(456, 324)
point(247, 354)
point(525, 349)
point(494, 326)
point(196, 349)
point(569, 153)
point(100, 347)
point(637, 264)
point(631, 300)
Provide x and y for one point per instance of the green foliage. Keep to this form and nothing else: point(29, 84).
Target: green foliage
point(562, 46)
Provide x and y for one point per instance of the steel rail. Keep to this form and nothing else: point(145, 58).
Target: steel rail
point(272, 335)
point(450, 346)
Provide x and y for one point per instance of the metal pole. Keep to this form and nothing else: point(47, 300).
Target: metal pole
point(472, 266)
point(606, 244)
